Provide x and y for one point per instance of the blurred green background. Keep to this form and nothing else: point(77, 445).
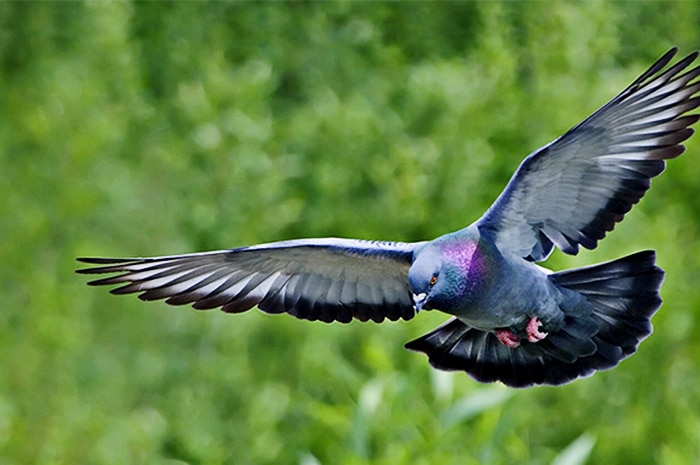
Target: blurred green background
point(162, 128)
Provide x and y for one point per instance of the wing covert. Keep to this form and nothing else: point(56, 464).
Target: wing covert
point(574, 190)
point(313, 279)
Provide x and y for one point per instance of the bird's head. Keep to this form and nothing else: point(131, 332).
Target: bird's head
point(446, 274)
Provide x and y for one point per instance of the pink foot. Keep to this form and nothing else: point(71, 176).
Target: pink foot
point(533, 332)
point(507, 338)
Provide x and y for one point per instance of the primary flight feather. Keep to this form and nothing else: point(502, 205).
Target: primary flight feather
point(513, 321)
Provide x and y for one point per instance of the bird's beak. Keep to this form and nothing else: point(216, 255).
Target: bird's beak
point(419, 300)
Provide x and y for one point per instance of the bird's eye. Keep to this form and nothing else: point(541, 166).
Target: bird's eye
point(433, 280)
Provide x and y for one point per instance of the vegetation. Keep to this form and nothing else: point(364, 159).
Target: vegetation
point(152, 128)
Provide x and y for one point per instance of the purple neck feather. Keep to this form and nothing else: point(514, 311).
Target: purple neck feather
point(469, 262)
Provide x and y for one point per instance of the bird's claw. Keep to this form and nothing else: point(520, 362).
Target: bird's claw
point(507, 338)
point(510, 340)
point(533, 332)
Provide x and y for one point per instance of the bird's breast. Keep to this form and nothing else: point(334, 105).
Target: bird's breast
point(507, 296)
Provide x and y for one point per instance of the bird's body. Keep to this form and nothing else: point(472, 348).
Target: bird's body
point(479, 289)
point(513, 321)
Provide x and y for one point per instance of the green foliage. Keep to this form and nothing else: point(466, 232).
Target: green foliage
point(151, 128)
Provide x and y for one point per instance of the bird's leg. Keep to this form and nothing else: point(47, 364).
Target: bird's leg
point(533, 332)
point(507, 338)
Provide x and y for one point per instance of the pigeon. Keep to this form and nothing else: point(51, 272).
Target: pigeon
point(511, 320)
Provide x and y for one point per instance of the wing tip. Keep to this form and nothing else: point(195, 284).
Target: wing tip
point(690, 57)
point(107, 260)
point(105, 264)
point(670, 53)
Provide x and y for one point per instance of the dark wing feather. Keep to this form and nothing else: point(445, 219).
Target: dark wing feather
point(313, 279)
point(574, 190)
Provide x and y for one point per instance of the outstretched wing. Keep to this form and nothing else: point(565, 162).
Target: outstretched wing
point(573, 191)
point(313, 279)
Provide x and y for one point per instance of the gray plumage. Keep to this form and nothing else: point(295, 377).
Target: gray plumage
point(513, 321)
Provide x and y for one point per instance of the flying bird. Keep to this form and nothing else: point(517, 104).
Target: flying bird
point(512, 320)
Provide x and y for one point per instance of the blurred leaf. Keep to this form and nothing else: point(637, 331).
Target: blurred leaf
point(475, 403)
point(577, 452)
point(308, 459)
point(443, 384)
point(369, 399)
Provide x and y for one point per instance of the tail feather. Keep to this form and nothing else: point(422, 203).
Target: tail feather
point(621, 297)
